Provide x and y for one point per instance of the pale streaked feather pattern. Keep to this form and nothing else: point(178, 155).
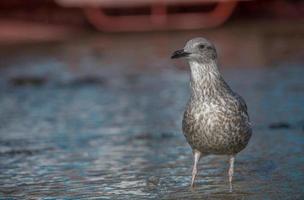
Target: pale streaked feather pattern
point(216, 119)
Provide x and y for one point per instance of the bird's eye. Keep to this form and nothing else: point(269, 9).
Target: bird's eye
point(201, 46)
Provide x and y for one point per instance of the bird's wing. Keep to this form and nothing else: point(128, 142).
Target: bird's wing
point(242, 102)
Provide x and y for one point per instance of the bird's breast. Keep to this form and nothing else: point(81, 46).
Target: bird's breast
point(202, 116)
point(215, 127)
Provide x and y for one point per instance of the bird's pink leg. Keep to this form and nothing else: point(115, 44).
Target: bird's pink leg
point(231, 170)
point(197, 156)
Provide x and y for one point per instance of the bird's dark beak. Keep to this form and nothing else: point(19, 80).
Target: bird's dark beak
point(179, 54)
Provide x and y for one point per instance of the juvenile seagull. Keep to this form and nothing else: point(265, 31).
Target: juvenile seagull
point(216, 119)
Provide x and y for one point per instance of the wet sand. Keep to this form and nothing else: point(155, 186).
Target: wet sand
point(99, 116)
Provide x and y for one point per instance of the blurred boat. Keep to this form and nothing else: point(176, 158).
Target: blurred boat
point(153, 14)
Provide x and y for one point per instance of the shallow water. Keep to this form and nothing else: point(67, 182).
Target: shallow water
point(99, 117)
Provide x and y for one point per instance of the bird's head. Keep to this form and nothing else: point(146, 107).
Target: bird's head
point(197, 49)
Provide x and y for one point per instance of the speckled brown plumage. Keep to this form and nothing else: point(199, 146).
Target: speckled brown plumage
point(216, 119)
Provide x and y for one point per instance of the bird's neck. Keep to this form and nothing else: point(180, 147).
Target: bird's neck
point(206, 80)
